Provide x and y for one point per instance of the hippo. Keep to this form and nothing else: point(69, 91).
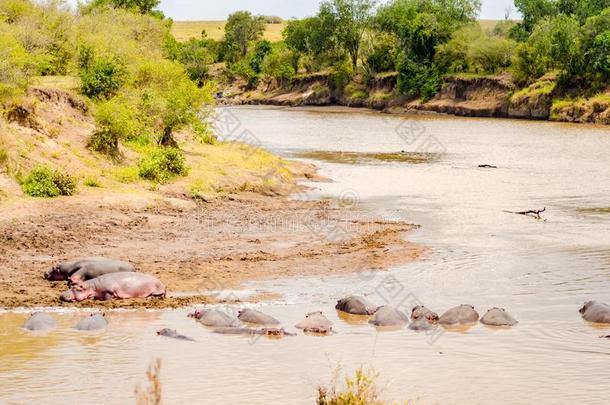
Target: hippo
point(389, 316)
point(463, 314)
point(422, 323)
point(215, 318)
point(116, 285)
point(171, 333)
point(39, 322)
point(498, 317)
point(356, 305)
point(93, 322)
point(248, 331)
point(421, 311)
point(597, 312)
point(315, 322)
point(256, 317)
point(87, 269)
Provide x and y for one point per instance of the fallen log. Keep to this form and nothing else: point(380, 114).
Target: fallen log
point(529, 213)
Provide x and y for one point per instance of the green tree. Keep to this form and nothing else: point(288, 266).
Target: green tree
point(533, 11)
point(351, 19)
point(241, 29)
point(311, 37)
point(140, 6)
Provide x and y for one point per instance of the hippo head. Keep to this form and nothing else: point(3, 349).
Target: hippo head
point(54, 274)
point(67, 296)
point(166, 332)
point(196, 314)
point(78, 293)
point(586, 306)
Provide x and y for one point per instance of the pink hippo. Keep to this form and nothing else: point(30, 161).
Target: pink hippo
point(115, 285)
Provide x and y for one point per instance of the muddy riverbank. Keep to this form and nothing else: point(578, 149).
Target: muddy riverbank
point(197, 249)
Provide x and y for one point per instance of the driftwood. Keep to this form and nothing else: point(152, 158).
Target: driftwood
point(530, 213)
point(488, 167)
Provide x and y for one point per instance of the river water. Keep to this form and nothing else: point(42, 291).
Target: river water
point(540, 270)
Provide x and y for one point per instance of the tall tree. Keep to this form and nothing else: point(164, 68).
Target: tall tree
point(352, 18)
point(242, 28)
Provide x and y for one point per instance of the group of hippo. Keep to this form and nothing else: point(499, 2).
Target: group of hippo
point(104, 279)
point(253, 322)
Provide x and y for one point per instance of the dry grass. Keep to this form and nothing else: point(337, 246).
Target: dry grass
point(185, 30)
point(361, 389)
point(151, 395)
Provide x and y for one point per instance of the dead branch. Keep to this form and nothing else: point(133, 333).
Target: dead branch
point(529, 213)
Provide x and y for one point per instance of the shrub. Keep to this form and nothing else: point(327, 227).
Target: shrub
point(92, 182)
point(342, 75)
point(116, 119)
point(103, 78)
point(279, 64)
point(162, 165)
point(359, 390)
point(43, 182)
point(416, 79)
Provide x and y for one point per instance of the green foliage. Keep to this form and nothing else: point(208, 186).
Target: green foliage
point(342, 75)
point(312, 38)
point(196, 58)
point(44, 182)
point(382, 55)
point(102, 77)
point(242, 28)
point(262, 49)
point(358, 390)
point(161, 165)
point(139, 6)
point(15, 66)
point(417, 79)
point(279, 64)
point(92, 182)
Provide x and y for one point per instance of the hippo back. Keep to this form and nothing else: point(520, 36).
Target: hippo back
point(93, 322)
point(39, 322)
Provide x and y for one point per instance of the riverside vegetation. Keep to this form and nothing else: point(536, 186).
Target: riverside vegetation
point(104, 96)
point(554, 63)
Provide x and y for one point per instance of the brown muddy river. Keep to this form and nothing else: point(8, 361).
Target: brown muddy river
point(539, 270)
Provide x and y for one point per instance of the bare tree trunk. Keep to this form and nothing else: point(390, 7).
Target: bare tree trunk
point(167, 139)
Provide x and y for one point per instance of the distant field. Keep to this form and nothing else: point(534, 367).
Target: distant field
point(185, 30)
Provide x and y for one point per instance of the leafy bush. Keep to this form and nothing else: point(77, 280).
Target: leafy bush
point(43, 182)
point(358, 390)
point(342, 75)
point(103, 78)
point(263, 48)
point(92, 182)
point(162, 165)
point(244, 70)
point(279, 64)
point(196, 58)
point(415, 79)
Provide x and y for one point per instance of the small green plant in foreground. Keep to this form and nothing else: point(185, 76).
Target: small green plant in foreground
point(44, 182)
point(162, 165)
point(92, 182)
point(359, 390)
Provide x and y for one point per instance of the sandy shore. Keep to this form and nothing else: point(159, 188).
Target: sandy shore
point(194, 248)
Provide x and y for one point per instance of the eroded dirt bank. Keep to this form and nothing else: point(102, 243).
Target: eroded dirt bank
point(192, 247)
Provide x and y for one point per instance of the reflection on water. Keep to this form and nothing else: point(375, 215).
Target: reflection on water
point(540, 271)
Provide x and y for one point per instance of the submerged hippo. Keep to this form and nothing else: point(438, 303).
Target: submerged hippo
point(116, 285)
point(389, 316)
point(356, 305)
point(248, 331)
point(93, 322)
point(422, 324)
point(594, 311)
point(256, 317)
point(421, 312)
point(214, 318)
point(315, 322)
point(171, 333)
point(39, 322)
point(87, 269)
point(463, 314)
point(498, 317)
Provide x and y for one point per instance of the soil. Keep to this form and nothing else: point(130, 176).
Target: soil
point(197, 249)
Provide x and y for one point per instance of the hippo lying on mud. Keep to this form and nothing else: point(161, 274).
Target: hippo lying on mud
point(389, 316)
point(39, 322)
point(256, 317)
point(355, 305)
point(315, 322)
point(87, 269)
point(93, 322)
point(116, 285)
point(171, 333)
point(597, 312)
point(498, 317)
point(248, 331)
point(460, 315)
point(214, 318)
